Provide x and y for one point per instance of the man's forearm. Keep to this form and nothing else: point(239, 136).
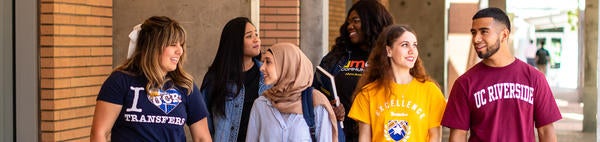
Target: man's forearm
point(457, 135)
point(546, 133)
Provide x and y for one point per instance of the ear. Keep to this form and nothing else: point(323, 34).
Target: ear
point(388, 51)
point(505, 33)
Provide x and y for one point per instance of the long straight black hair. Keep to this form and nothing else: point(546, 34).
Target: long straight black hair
point(227, 67)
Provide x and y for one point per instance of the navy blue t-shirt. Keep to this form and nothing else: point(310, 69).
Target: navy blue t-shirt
point(147, 118)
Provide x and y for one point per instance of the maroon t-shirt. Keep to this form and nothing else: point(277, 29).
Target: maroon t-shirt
point(501, 104)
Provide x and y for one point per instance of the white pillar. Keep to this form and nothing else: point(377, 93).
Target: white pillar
point(255, 13)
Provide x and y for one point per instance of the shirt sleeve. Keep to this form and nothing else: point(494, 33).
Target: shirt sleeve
point(360, 108)
point(114, 89)
point(545, 108)
point(323, 125)
point(457, 114)
point(196, 107)
point(253, 124)
point(204, 93)
point(437, 106)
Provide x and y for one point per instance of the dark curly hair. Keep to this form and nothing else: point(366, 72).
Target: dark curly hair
point(374, 17)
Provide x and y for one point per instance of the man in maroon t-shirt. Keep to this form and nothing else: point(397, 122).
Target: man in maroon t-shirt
point(500, 99)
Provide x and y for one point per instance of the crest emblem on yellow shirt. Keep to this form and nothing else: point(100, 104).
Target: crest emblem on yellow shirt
point(397, 130)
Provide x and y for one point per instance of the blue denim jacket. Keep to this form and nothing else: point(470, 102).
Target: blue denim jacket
point(226, 128)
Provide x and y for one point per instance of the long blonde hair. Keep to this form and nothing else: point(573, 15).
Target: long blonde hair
point(156, 33)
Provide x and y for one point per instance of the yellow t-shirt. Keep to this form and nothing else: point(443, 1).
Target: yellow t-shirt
point(404, 115)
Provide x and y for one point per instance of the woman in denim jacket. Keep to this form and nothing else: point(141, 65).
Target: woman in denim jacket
point(233, 81)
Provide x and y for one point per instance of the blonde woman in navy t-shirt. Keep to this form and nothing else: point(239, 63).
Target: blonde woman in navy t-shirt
point(150, 97)
point(500, 99)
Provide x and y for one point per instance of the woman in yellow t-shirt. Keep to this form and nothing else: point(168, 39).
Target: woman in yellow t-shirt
point(397, 100)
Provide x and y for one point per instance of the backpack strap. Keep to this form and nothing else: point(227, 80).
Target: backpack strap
point(308, 111)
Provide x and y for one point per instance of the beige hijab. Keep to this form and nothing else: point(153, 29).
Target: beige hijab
point(295, 75)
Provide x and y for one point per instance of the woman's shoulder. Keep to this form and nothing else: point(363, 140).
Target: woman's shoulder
point(322, 112)
point(370, 86)
point(261, 105)
point(431, 87)
point(261, 100)
point(428, 83)
point(118, 75)
point(194, 90)
point(334, 55)
point(317, 92)
point(318, 95)
point(369, 89)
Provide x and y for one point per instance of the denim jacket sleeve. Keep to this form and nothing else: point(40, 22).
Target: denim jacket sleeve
point(226, 128)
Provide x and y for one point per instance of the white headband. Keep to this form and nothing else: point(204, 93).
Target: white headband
point(133, 36)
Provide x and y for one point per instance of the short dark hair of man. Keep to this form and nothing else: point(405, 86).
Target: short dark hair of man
point(496, 13)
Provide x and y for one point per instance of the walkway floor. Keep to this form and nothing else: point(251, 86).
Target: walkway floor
point(569, 129)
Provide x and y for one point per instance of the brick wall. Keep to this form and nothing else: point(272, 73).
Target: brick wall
point(459, 17)
point(75, 59)
point(279, 21)
point(337, 17)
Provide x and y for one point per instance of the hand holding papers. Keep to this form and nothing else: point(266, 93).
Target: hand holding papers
point(328, 86)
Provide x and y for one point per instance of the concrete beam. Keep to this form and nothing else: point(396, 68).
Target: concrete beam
point(314, 19)
point(203, 21)
point(26, 47)
point(590, 84)
point(498, 3)
point(7, 125)
point(429, 19)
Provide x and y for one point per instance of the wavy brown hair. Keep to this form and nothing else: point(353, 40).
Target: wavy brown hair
point(156, 33)
point(379, 69)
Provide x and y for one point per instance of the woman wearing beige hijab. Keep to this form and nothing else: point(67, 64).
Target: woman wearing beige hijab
point(277, 115)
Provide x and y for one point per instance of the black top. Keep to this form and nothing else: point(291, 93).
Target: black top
point(251, 80)
point(542, 55)
point(346, 81)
